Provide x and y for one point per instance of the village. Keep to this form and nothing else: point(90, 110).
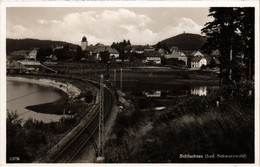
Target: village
point(33, 61)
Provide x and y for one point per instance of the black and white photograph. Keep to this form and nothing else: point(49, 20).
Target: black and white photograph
point(172, 84)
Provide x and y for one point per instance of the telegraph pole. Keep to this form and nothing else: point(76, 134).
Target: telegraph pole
point(100, 157)
point(121, 79)
point(115, 77)
point(230, 59)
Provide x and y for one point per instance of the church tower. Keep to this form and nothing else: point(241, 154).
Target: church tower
point(84, 43)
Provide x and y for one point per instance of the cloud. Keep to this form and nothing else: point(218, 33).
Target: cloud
point(19, 31)
point(188, 25)
point(105, 26)
point(42, 21)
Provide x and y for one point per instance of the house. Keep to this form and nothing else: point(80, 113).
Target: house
point(112, 52)
point(148, 48)
point(139, 49)
point(15, 67)
point(177, 55)
point(128, 49)
point(162, 51)
point(197, 62)
point(32, 54)
point(174, 49)
point(95, 51)
point(22, 67)
point(51, 58)
point(29, 63)
point(197, 54)
point(91, 49)
point(153, 57)
point(23, 53)
point(183, 57)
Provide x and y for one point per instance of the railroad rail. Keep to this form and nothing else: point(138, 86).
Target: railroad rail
point(86, 135)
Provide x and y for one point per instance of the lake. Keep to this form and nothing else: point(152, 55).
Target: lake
point(143, 88)
point(21, 94)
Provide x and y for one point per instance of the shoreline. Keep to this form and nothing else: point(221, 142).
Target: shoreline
point(67, 91)
point(71, 90)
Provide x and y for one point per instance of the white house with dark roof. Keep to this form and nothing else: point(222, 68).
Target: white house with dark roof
point(152, 56)
point(197, 62)
point(112, 52)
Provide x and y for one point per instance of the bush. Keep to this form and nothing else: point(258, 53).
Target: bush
point(35, 138)
point(143, 103)
point(88, 97)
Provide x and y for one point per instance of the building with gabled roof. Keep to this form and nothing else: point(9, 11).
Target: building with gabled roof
point(163, 51)
point(197, 62)
point(197, 53)
point(113, 53)
point(152, 56)
point(177, 55)
point(32, 54)
point(139, 49)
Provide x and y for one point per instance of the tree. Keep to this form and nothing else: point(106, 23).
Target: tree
point(104, 56)
point(88, 97)
point(79, 54)
point(60, 53)
point(248, 35)
point(158, 46)
point(42, 53)
point(120, 47)
point(128, 42)
point(164, 61)
point(15, 139)
point(212, 62)
point(231, 33)
point(166, 47)
point(123, 56)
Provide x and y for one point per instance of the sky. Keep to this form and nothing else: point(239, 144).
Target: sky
point(140, 25)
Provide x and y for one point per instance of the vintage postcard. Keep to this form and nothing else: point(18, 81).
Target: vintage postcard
point(130, 82)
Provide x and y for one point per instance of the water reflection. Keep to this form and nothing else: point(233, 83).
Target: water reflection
point(199, 90)
point(153, 93)
point(184, 91)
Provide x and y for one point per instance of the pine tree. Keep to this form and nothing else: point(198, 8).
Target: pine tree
point(231, 33)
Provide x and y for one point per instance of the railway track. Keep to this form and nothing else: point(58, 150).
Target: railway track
point(86, 135)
